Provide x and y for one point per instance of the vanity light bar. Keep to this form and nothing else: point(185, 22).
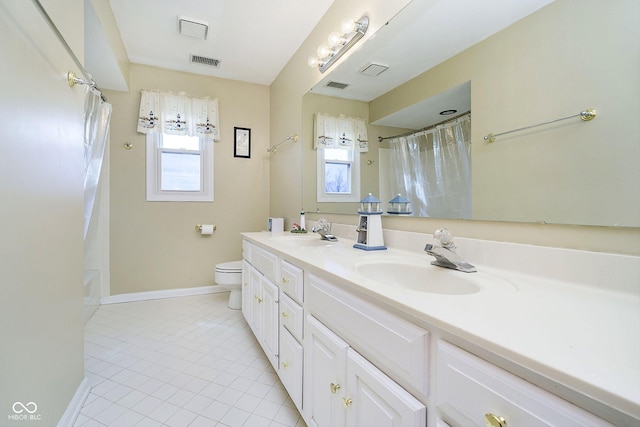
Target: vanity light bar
point(339, 44)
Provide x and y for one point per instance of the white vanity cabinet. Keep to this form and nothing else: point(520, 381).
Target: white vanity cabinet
point(260, 300)
point(291, 330)
point(349, 356)
point(473, 392)
point(342, 388)
point(274, 312)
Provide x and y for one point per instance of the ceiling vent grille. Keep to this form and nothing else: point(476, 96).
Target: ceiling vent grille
point(337, 85)
point(373, 69)
point(197, 59)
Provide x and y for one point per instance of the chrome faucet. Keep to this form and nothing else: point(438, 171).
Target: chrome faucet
point(323, 228)
point(444, 251)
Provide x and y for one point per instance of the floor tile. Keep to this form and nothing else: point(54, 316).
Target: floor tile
point(187, 361)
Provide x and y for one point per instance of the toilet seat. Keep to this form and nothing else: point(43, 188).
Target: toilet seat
point(229, 267)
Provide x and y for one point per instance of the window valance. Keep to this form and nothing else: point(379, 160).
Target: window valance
point(340, 132)
point(178, 114)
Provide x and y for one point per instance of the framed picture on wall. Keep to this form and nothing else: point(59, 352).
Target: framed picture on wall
point(241, 142)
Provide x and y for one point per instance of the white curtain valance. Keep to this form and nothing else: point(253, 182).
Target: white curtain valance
point(340, 132)
point(178, 114)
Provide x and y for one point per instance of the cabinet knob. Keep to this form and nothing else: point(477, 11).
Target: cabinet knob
point(285, 365)
point(285, 280)
point(491, 420)
point(285, 314)
point(246, 284)
point(258, 299)
point(346, 402)
point(334, 388)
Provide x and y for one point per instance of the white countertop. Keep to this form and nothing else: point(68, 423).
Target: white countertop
point(583, 337)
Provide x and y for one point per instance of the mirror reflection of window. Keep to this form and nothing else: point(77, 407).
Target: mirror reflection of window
point(338, 175)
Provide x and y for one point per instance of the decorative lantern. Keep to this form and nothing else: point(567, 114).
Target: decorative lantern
point(370, 225)
point(399, 206)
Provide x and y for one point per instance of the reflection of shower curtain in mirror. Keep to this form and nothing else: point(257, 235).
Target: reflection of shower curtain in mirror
point(433, 169)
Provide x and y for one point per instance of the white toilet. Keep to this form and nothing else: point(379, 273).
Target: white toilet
point(229, 276)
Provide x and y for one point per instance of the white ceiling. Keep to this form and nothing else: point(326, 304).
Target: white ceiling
point(253, 39)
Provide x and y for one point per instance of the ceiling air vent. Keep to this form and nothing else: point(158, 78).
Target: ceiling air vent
point(206, 61)
point(337, 85)
point(373, 69)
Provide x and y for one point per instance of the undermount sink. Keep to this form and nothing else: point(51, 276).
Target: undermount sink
point(427, 278)
point(303, 240)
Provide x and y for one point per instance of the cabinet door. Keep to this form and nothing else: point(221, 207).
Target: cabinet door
point(325, 357)
point(290, 370)
point(255, 295)
point(270, 316)
point(247, 296)
point(374, 399)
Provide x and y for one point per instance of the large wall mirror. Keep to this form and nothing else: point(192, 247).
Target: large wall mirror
point(527, 66)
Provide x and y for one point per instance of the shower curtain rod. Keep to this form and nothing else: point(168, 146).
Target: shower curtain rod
point(71, 77)
point(380, 138)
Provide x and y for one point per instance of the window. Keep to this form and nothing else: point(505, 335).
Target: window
point(338, 175)
point(179, 168)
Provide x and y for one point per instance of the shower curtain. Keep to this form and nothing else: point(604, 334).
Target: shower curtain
point(97, 115)
point(433, 169)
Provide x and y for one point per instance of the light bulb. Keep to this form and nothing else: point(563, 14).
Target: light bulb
point(335, 39)
point(348, 26)
point(323, 51)
point(313, 61)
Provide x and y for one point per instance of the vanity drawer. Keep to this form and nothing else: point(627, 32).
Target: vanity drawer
point(470, 389)
point(397, 347)
point(292, 280)
point(265, 262)
point(291, 316)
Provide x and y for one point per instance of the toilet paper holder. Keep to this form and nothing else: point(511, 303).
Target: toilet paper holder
point(199, 227)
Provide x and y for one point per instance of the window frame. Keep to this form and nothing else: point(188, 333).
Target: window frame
point(321, 193)
point(154, 192)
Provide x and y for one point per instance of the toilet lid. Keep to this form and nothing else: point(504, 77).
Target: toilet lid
point(231, 266)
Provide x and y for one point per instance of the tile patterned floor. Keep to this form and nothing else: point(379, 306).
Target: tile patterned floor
point(187, 361)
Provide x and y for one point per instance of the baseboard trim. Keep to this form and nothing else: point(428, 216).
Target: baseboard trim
point(75, 405)
point(168, 293)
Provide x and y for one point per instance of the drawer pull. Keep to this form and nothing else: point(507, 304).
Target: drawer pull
point(285, 280)
point(334, 388)
point(491, 420)
point(285, 314)
point(346, 402)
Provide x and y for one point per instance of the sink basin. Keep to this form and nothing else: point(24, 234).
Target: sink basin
point(426, 278)
point(303, 240)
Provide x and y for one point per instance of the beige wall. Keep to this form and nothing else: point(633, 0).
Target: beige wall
point(41, 214)
point(153, 244)
point(520, 90)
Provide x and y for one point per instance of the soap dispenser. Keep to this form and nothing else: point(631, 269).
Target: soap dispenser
point(370, 225)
